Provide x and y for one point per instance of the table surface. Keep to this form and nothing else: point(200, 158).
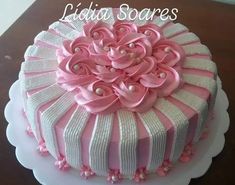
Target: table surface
point(213, 22)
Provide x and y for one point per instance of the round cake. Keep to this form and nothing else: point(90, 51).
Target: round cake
point(117, 98)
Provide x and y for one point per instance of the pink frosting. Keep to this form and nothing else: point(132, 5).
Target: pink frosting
point(119, 66)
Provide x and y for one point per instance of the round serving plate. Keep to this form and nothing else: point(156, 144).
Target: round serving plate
point(46, 173)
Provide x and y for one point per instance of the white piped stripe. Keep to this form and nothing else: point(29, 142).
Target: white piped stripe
point(34, 102)
point(157, 135)
point(76, 24)
point(180, 122)
point(64, 30)
point(72, 137)
point(38, 66)
point(201, 64)
point(50, 117)
point(201, 81)
point(41, 52)
point(37, 81)
point(99, 144)
point(194, 49)
point(174, 29)
point(185, 38)
point(198, 105)
point(128, 142)
point(161, 22)
point(49, 38)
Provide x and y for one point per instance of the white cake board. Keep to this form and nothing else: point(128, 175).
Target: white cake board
point(46, 173)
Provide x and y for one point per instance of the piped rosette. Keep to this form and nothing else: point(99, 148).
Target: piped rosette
point(117, 66)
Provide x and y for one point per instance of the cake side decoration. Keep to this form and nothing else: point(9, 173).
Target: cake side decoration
point(120, 66)
point(120, 99)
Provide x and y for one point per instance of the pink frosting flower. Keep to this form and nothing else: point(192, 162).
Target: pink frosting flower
point(140, 175)
point(165, 80)
point(98, 97)
point(164, 169)
point(62, 164)
point(75, 71)
point(119, 66)
point(187, 154)
point(108, 74)
point(134, 96)
point(114, 176)
point(152, 31)
point(86, 172)
point(99, 30)
point(124, 27)
point(78, 46)
point(144, 66)
point(168, 53)
point(131, 49)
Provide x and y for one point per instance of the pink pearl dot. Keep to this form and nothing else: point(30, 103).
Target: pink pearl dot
point(99, 91)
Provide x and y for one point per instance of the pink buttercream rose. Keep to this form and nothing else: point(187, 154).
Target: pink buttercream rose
point(168, 53)
point(99, 30)
point(75, 71)
point(132, 48)
point(134, 96)
point(164, 80)
point(78, 46)
point(108, 74)
point(152, 32)
point(99, 50)
point(98, 97)
point(145, 66)
point(124, 27)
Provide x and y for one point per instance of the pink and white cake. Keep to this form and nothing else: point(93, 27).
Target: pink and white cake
point(117, 98)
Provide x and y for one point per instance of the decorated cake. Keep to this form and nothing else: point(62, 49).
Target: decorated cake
point(117, 98)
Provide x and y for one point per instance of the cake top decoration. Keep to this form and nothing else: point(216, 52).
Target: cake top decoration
point(119, 66)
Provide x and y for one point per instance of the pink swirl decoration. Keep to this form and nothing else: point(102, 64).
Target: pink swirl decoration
point(119, 66)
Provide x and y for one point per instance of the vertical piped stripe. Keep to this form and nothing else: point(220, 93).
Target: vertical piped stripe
point(38, 81)
point(39, 66)
point(50, 117)
point(180, 122)
point(174, 29)
point(99, 144)
point(157, 135)
point(38, 99)
point(198, 105)
point(72, 137)
point(128, 142)
point(203, 82)
point(64, 30)
point(41, 52)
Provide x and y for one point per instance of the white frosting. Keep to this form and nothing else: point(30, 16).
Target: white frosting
point(174, 29)
point(179, 121)
point(76, 24)
point(41, 52)
point(157, 135)
point(35, 101)
point(201, 64)
point(50, 117)
point(128, 142)
point(39, 66)
point(201, 81)
point(194, 49)
point(38, 81)
point(72, 137)
point(98, 148)
point(49, 38)
point(161, 23)
point(185, 38)
point(64, 30)
point(197, 104)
